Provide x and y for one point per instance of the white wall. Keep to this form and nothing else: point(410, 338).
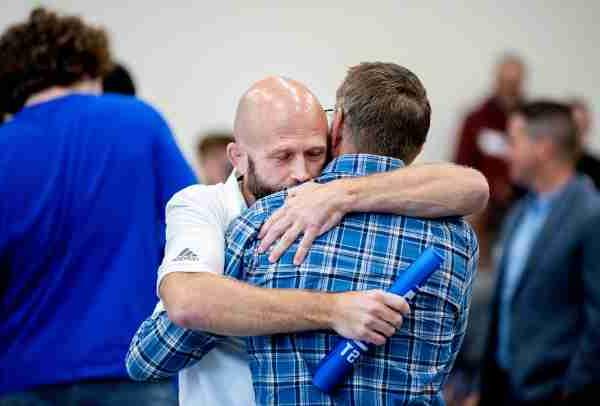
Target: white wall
point(193, 59)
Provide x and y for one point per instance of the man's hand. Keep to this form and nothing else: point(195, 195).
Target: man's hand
point(312, 209)
point(371, 316)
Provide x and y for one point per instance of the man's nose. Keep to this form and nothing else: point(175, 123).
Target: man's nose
point(300, 173)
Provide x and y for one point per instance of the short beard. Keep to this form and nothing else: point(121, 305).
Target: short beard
point(257, 186)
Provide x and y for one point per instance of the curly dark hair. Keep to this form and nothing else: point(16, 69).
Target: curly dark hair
point(48, 50)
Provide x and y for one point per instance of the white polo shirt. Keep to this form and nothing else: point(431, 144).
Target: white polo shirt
point(197, 219)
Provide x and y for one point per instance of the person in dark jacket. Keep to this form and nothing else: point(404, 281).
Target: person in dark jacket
point(544, 341)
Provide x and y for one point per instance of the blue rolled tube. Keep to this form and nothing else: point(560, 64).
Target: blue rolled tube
point(339, 362)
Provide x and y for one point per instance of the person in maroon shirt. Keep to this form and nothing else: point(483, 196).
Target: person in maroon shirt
point(483, 145)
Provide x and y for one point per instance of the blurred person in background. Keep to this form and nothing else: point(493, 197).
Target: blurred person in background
point(84, 180)
point(118, 80)
point(544, 341)
point(482, 144)
point(588, 163)
point(212, 157)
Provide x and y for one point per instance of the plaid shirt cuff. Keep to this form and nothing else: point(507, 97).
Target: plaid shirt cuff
point(160, 349)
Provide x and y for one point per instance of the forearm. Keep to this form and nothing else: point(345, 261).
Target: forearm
point(221, 305)
point(430, 190)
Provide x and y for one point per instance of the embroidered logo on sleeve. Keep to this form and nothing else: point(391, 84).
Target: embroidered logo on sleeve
point(186, 255)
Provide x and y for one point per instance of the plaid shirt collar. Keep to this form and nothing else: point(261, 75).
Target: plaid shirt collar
point(361, 165)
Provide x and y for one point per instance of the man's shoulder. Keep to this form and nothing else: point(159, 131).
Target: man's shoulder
point(111, 101)
point(196, 194)
point(16, 130)
point(583, 198)
point(260, 211)
point(244, 228)
point(120, 109)
point(198, 198)
point(449, 233)
point(587, 204)
point(454, 232)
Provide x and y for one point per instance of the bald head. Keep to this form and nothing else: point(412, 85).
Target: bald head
point(276, 105)
point(280, 136)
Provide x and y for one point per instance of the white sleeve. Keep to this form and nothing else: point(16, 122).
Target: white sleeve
point(195, 232)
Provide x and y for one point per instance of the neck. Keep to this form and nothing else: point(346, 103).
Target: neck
point(54, 92)
point(553, 178)
point(345, 147)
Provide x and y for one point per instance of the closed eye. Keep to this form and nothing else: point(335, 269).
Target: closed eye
point(315, 153)
point(284, 156)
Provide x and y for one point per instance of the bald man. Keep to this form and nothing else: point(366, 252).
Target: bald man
point(280, 141)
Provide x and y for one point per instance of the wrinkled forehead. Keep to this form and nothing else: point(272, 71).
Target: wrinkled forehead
point(292, 127)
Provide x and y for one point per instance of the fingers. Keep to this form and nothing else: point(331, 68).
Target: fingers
point(372, 338)
point(381, 327)
point(366, 316)
point(280, 213)
point(309, 237)
point(275, 217)
point(288, 239)
point(275, 227)
point(331, 222)
point(396, 302)
point(389, 316)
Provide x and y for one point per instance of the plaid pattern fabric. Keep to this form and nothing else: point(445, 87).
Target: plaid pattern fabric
point(161, 349)
point(366, 251)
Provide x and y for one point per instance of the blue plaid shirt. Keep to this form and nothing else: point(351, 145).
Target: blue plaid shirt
point(366, 251)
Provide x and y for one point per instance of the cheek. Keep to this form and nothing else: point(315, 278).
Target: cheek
point(274, 173)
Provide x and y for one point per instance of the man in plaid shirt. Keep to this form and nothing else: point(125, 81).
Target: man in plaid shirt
point(366, 251)
point(381, 122)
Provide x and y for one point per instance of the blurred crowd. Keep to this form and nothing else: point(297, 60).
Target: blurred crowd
point(514, 244)
point(534, 323)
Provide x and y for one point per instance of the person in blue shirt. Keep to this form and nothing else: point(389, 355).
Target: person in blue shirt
point(84, 180)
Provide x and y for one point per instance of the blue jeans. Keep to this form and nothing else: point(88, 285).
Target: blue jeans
point(97, 393)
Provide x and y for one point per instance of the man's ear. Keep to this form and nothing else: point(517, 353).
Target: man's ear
point(237, 157)
point(336, 131)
